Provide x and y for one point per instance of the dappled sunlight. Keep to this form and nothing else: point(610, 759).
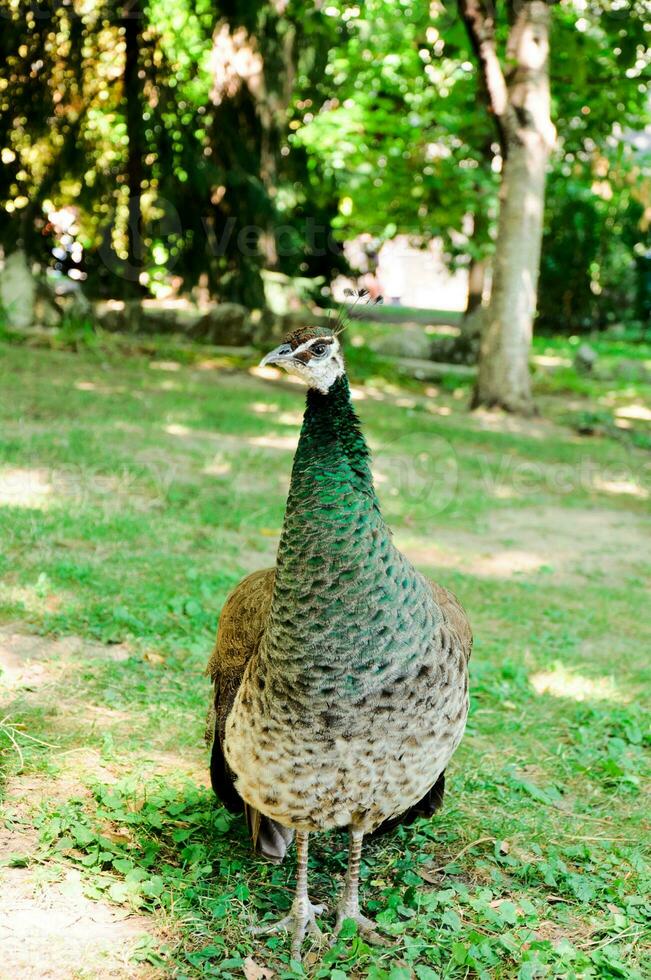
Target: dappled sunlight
point(638, 413)
point(501, 491)
point(551, 360)
point(218, 467)
point(175, 429)
point(563, 682)
point(212, 364)
point(42, 490)
point(533, 428)
point(164, 366)
point(264, 408)
point(294, 419)
point(20, 487)
point(99, 389)
point(562, 543)
point(268, 373)
point(274, 442)
point(621, 487)
point(505, 563)
point(377, 390)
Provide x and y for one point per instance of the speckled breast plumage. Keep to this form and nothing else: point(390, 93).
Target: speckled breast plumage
point(330, 763)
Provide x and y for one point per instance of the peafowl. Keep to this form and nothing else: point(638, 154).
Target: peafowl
point(340, 676)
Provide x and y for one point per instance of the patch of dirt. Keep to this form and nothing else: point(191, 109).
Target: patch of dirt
point(569, 542)
point(26, 660)
point(50, 928)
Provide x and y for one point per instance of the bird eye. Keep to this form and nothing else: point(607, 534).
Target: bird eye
point(319, 349)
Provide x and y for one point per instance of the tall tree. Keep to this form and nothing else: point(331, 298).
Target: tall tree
point(519, 100)
point(132, 25)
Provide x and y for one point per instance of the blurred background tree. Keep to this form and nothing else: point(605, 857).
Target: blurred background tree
point(161, 129)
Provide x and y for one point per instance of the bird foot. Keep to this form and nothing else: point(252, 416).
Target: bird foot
point(301, 920)
point(365, 927)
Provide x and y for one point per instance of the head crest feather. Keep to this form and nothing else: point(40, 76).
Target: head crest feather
point(347, 309)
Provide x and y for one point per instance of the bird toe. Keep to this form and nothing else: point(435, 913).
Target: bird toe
point(299, 922)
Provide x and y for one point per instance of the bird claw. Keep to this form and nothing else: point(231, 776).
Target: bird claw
point(365, 927)
point(300, 921)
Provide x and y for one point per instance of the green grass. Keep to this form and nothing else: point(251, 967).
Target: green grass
point(138, 484)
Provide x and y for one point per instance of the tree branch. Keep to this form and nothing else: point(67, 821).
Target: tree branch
point(479, 18)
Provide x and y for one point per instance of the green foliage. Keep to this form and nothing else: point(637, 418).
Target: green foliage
point(407, 139)
point(592, 270)
point(411, 148)
point(187, 175)
point(359, 118)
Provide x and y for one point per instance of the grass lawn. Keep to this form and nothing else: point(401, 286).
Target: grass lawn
point(137, 486)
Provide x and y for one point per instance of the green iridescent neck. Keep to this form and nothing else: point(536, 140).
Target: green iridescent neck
point(332, 455)
point(332, 511)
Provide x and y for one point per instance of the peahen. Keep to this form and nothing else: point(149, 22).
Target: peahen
point(340, 675)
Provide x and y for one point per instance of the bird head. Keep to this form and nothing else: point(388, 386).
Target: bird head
point(312, 353)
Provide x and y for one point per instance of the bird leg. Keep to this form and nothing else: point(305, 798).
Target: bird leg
point(348, 907)
point(302, 915)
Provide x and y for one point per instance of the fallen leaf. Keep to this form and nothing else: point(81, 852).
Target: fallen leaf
point(253, 970)
point(153, 658)
point(121, 836)
point(432, 878)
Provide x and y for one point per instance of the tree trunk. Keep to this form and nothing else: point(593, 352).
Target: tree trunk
point(476, 281)
point(503, 378)
point(132, 23)
point(520, 103)
point(471, 327)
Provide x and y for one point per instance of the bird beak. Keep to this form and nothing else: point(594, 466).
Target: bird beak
point(277, 356)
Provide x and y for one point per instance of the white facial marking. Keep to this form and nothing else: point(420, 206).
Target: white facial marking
point(321, 370)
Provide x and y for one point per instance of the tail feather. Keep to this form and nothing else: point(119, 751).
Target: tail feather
point(268, 837)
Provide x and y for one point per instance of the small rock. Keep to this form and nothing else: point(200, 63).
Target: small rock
point(630, 370)
point(406, 342)
point(225, 323)
point(118, 316)
point(585, 359)
point(17, 291)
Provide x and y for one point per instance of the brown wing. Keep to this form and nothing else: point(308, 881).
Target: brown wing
point(454, 615)
point(241, 625)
